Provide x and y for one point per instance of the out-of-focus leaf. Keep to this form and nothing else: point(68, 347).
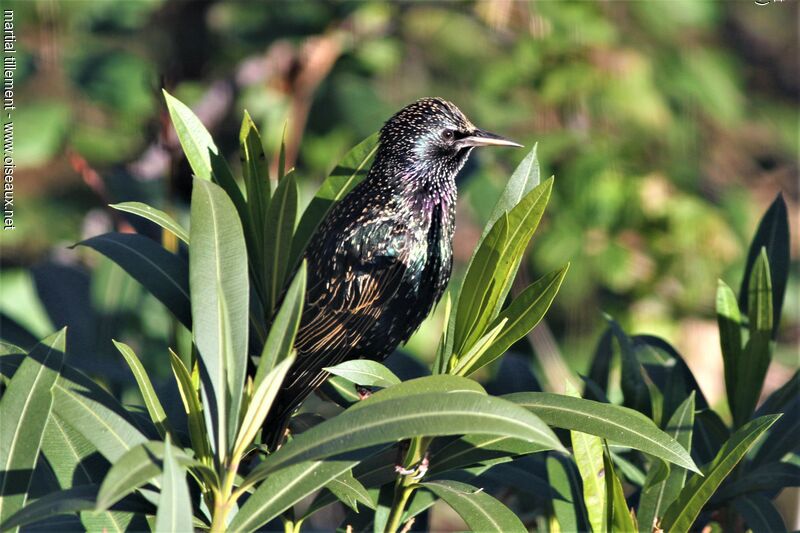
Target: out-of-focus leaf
point(634, 388)
point(151, 401)
point(522, 314)
point(480, 511)
point(434, 414)
point(257, 411)
point(350, 171)
point(174, 504)
point(568, 503)
point(24, 409)
point(760, 514)
point(192, 408)
point(278, 230)
point(193, 136)
point(365, 372)
point(710, 433)
point(614, 423)
point(154, 215)
point(162, 273)
point(770, 478)
point(476, 449)
point(773, 236)
point(601, 365)
point(698, 490)
point(658, 495)
point(777, 401)
point(751, 368)
point(220, 307)
point(284, 328)
point(729, 321)
point(617, 514)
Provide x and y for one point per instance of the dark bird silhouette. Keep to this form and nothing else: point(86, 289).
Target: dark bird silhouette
point(382, 257)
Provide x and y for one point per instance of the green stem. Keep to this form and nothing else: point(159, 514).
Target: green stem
point(404, 485)
point(224, 499)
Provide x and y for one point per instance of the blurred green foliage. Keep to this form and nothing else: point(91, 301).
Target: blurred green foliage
point(669, 125)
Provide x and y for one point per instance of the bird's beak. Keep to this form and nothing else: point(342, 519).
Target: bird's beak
point(484, 138)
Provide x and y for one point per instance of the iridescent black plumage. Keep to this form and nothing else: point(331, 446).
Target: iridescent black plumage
point(382, 257)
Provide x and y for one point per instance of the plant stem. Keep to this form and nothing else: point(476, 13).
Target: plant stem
point(404, 485)
point(224, 499)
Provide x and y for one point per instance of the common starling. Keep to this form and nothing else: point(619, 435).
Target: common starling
point(382, 257)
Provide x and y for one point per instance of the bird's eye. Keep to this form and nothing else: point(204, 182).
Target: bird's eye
point(448, 135)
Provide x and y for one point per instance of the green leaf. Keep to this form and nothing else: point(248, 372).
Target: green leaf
point(480, 511)
point(445, 349)
point(751, 368)
point(365, 372)
point(370, 423)
point(487, 282)
point(617, 514)
point(193, 136)
point(773, 235)
point(220, 296)
point(192, 408)
point(770, 478)
point(777, 401)
point(614, 423)
point(760, 514)
point(285, 488)
point(154, 215)
point(588, 453)
point(151, 401)
point(162, 273)
point(523, 314)
point(95, 414)
point(260, 404)
point(471, 450)
point(729, 321)
point(350, 491)
point(698, 490)
point(634, 387)
point(524, 178)
point(782, 437)
point(567, 505)
point(284, 328)
point(278, 230)
point(24, 409)
point(350, 171)
point(174, 504)
point(423, 385)
point(468, 363)
point(257, 184)
point(139, 465)
point(657, 494)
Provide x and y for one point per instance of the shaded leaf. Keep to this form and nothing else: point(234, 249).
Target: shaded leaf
point(192, 408)
point(480, 511)
point(163, 274)
point(760, 514)
point(567, 504)
point(278, 230)
point(617, 514)
point(698, 490)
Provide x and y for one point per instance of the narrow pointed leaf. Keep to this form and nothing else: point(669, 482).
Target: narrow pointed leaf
point(154, 215)
point(151, 401)
point(24, 410)
point(350, 491)
point(567, 503)
point(193, 136)
point(523, 314)
point(475, 449)
point(618, 514)
point(658, 495)
point(434, 414)
point(772, 235)
point(284, 328)
point(192, 408)
point(424, 385)
point(760, 514)
point(480, 511)
point(782, 437)
point(365, 372)
point(163, 274)
point(174, 504)
point(614, 423)
point(350, 171)
point(470, 361)
point(729, 321)
point(770, 478)
point(680, 516)
point(285, 488)
point(524, 178)
point(220, 289)
point(257, 411)
point(278, 230)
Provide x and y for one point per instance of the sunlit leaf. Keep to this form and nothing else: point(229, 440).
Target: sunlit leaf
point(365, 372)
point(154, 215)
point(193, 136)
point(174, 504)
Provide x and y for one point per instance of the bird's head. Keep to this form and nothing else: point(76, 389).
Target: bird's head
point(432, 134)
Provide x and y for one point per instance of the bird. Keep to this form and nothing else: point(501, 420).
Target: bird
point(383, 255)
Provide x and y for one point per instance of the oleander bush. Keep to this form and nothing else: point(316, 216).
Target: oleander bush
point(633, 445)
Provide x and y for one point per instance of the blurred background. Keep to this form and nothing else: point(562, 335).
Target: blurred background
point(670, 126)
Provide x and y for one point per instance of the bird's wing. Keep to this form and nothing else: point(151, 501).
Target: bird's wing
point(345, 300)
